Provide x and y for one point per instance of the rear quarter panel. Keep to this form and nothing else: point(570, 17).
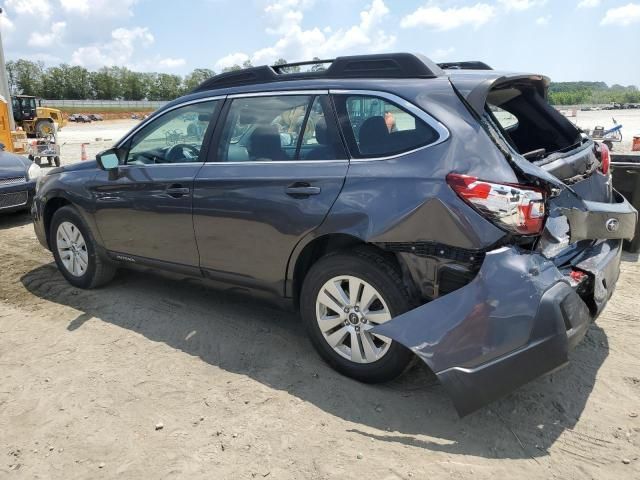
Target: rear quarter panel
point(406, 198)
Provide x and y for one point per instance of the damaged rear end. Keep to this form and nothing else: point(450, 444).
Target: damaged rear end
point(498, 318)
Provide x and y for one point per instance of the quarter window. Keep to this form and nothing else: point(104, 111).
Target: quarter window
point(376, 127)
point(174, 137)
point(279, 128)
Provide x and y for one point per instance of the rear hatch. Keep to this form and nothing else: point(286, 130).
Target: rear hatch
point(546, 149)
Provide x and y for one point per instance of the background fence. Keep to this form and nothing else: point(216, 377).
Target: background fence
point(107, 104)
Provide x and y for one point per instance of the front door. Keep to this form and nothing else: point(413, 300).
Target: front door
point(147, 211)
point(277, 168)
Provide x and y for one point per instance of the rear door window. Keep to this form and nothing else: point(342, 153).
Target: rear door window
point(280, 128)
point(377, 127)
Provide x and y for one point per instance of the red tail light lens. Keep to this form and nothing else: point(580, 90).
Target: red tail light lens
point(518, 209)
point(605, 159)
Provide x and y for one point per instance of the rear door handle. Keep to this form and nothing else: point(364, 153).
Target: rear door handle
point(301, 189)
point(177, 191)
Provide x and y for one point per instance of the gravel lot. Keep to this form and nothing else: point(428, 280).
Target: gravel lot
point(158, 377)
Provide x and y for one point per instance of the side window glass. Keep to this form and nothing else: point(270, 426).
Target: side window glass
point(376, 127)
point(321, 139)
point(259, 129)
point(175, 137)
point(507, 121)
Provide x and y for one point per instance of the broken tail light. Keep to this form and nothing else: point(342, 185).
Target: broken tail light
point(605, 159)
point(518, 209)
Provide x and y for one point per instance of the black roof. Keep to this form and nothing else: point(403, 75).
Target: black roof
point(392, 65)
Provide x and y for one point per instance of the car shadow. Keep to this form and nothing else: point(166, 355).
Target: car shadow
point(14, 219)
point(270, 346)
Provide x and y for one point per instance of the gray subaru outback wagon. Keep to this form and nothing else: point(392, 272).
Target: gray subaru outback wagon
point(408, 209)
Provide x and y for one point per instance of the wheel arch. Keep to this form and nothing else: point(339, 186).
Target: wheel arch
point(317, 248)
point(50, 208)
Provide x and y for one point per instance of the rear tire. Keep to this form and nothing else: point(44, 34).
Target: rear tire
point(373, 359)
point(56, 160)
point(44, 128)
point(74, 250)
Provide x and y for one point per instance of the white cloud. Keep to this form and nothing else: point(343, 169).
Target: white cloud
point(439, 19)
point(542, 21)
point(441, 54)
point(38, 8)
point(172, 62)
point(81, 6)
point(622, 16)
point(48, 39)
point(521, 5)
point(6, 25)
point(230, 60)
point(99, 9)
point(118, 51)
point(296, 43)
point(589, 3)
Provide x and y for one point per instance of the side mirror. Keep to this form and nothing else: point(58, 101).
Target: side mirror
point(108, 159)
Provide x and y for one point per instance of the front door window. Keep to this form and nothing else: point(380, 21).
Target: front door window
point(174, 137)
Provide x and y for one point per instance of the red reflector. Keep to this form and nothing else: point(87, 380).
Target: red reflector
point(577, 275)
point(605, 159)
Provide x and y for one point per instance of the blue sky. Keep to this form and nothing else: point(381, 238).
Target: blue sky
point(565, 39)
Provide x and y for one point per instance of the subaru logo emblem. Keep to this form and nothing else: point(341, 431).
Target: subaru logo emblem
point(612, 225)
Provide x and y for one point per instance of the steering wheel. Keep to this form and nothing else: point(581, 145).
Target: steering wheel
point(177, 152)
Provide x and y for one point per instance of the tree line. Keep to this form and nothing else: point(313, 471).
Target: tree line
point(591, 93)
point(67, 82)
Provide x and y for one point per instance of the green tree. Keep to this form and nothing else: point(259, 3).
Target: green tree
point(318, 67)
point(133, 85)
point(282, 61)
point(77, 83)
point(25, 77)
point(53, 83)
point(105, 84)
point(196, 77)
point(165, 87)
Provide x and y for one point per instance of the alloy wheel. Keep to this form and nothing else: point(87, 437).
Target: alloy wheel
point(72, 249)
point(347, 308)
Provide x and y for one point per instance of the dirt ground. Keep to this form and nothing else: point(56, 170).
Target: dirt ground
point(152, 377)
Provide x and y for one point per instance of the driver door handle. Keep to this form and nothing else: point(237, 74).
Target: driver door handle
point(177, 191)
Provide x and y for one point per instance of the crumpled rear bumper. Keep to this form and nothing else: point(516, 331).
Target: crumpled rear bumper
point(516, 321)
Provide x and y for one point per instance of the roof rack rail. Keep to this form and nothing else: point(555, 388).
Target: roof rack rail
point(472, 65)
point(282, 67)
point(392, 65)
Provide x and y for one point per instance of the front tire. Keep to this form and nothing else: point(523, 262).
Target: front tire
point(344, 295)
point(44, 128)
point(74, 250)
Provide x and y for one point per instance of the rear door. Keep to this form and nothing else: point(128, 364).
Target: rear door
point(145, 213)
point(276, 167)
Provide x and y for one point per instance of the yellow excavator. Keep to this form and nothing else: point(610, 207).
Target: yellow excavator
point(37, 122)
point(45, 147)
